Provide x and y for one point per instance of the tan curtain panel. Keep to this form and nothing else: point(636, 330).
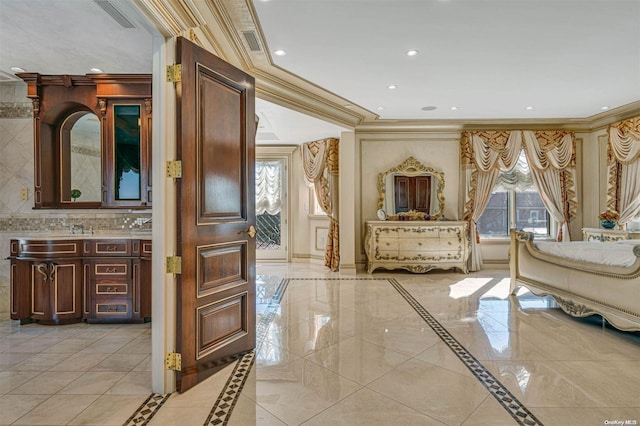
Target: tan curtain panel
point(623, 161)
point(321, 167)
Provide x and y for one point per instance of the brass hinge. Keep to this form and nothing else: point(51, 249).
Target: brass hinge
point(173, 361)
point(174, 169)
point(174, 265)
point(174, 73)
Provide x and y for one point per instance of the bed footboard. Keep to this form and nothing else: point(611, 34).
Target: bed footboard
point(580, 288)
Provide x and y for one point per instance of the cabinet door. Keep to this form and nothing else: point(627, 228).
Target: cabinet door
point(65, 290)
point(40, 277)
point(127, 167)
point(20, 291)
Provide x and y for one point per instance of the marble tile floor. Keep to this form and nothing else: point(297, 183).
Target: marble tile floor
point(441, 348)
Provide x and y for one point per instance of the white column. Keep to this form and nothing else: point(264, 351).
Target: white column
point(348, 201)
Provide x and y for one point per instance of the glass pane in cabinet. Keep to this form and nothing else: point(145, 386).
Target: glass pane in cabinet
point(127, 151)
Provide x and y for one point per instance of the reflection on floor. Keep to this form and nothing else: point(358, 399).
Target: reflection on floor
point(390, 348)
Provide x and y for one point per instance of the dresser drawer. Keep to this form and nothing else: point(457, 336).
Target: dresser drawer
point(116, 268)
point(111, 308)
point(46, 248)
point(112, 288)
point(107, 248)
point(421, 232)
point(387, 244)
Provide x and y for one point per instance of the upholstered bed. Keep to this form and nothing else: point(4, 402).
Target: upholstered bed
point(585, 278)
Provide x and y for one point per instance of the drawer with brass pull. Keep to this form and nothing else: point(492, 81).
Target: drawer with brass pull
point(121, 289)
point(108, 248)
point(113, 309)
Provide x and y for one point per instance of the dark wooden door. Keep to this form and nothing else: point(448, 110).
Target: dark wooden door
point(216, 214)
point(412, 193)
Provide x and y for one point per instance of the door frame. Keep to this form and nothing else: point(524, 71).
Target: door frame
point(164, 230)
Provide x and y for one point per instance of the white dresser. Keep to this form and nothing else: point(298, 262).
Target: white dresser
point(418, 246)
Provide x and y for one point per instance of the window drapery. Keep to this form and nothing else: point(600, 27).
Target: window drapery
point(268, 191)
point(320, 163)
point(551, 157)
point(623, 163)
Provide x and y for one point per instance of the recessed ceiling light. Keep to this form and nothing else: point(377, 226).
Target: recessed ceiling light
point(412, 52)
point(604, 107)
point(17, 69)
point(529, 108)
point(96, 70)
point(392, 86)
point(279, 52)
point(380, 108)
point(429, 108)
point(453, 108)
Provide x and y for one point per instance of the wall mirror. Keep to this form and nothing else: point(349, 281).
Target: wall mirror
point(80, 158)
point(411, 186)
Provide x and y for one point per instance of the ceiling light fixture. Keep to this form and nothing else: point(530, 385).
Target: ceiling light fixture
point(454, 108)
point(17, 69)
point(279, 52)
point(380, 108)
point(529, 108)
point(96, 70)
point(429, 108)
point(604, 107)
point(412, 52)
point(392, 86)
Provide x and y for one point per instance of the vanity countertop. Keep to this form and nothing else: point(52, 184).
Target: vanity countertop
point(97, 235)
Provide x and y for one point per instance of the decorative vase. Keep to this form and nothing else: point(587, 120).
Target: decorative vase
point(607, 224)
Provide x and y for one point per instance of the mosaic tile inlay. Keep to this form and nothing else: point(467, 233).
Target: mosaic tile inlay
point(147, 410)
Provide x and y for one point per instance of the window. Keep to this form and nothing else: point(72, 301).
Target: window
point(515, 204)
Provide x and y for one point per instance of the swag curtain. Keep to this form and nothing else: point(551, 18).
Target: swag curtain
point(623, 163)
point(320, 163)
point(268, 197)
point(551, 158)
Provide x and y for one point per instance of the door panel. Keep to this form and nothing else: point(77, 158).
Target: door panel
point(216, 143)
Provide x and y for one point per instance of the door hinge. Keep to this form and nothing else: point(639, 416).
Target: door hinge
point(174, 169)
point(174, 265)
point(174, 73)
point(173, 361)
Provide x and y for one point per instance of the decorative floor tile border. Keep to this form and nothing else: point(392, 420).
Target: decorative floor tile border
point(147, 410)
point(505, 398)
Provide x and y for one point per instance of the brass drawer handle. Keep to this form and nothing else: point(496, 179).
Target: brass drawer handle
point(110, 270)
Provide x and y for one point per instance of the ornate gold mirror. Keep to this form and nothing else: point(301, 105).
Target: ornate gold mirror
point(411, 187)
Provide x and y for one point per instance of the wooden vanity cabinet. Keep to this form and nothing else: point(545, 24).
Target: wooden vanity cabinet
point(46, 281)
point(55, 282)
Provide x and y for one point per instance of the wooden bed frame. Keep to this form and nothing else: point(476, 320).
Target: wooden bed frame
point(580, 288)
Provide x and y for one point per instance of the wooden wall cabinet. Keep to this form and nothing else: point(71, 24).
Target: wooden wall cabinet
point(92, 138)
point(97, 280)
